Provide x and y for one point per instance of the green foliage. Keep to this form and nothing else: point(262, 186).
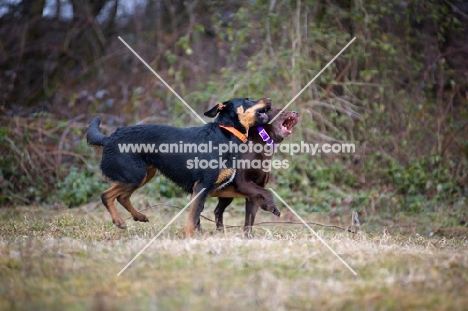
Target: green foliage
point(424, 176)
point(397, 92)
point(18, 169)
point(79, 186)
point(368, 107)
point(160, 186)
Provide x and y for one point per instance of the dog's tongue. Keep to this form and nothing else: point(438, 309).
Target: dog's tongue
point(285, 130)
point(287, 126)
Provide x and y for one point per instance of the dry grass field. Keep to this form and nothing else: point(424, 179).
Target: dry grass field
point(68, 259)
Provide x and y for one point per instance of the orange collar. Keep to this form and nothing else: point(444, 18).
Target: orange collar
point(235, 132)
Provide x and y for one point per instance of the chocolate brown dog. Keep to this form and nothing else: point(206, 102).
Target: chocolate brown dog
point(132, 169)
point(250, 183)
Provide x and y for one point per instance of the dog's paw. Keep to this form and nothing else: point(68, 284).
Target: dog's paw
point(141, 217)
point(276, 212)
point(272, 208)
point(248, 233)
point(120, 223)
point(189, 232)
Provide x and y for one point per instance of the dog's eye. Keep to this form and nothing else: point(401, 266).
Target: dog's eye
point(247, 98)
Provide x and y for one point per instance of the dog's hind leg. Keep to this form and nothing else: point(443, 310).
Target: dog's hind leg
point(219, 210)
point(108, 198)
point(124, 199)
point(132, 176)
point(250, 212)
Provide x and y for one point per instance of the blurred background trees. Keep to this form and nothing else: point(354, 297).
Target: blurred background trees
point(399, 92)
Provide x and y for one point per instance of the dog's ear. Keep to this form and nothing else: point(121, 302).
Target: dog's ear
point(213, 112)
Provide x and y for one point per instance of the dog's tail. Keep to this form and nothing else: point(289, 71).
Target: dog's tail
point(94, 136)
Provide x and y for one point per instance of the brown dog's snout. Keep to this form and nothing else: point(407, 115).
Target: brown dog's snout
point(267, 101)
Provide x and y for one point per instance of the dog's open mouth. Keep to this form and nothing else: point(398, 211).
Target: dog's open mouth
point(288, 124)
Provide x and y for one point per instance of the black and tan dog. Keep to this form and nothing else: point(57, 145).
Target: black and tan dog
point(250, 183)
point(131, 170)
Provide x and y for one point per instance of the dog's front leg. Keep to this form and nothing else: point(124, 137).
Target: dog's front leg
point(196, 207)
point(259, 196)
